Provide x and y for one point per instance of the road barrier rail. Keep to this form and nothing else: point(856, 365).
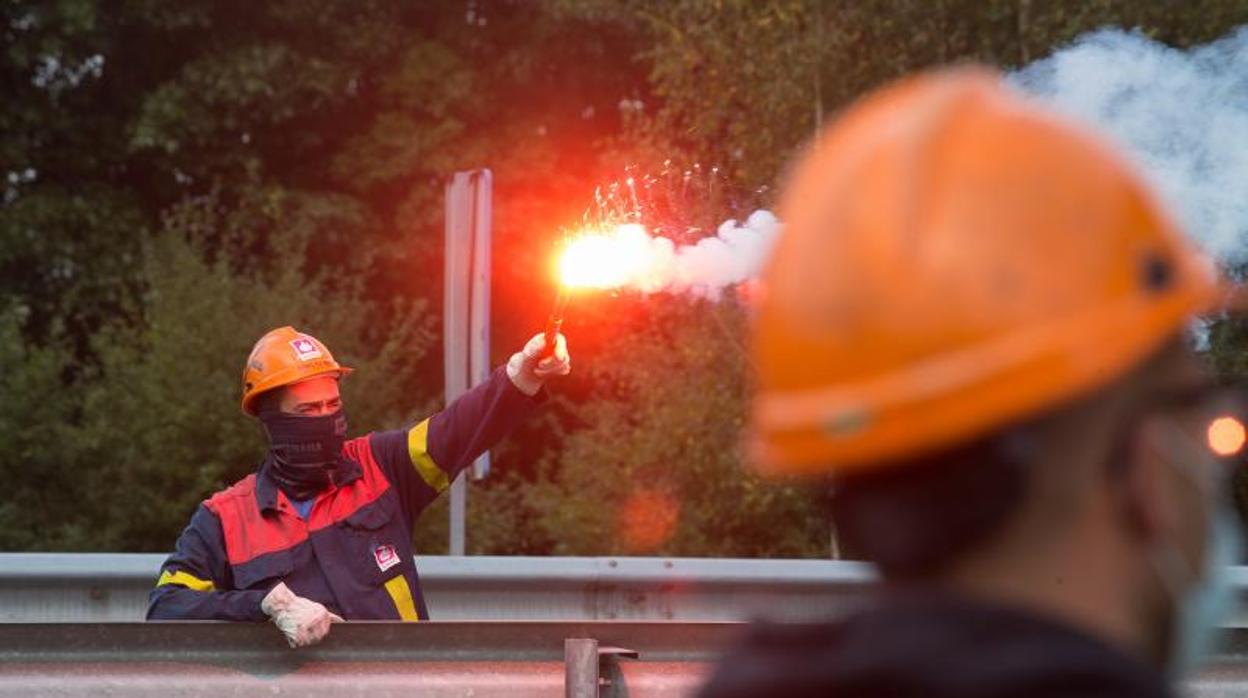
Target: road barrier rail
point(582, 627)
point(110, 587)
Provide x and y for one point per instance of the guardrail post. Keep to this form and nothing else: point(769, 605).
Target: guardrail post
point(611, 680)
point(580, 659)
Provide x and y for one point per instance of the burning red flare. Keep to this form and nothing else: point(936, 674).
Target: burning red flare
point(605, 257)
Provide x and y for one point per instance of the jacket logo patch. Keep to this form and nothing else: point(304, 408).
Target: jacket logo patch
point(386, 556)
point(305, 349)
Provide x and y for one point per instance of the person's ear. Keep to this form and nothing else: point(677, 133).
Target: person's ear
point(1147, 487)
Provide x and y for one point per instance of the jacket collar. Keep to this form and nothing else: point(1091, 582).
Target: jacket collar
point(267, 491)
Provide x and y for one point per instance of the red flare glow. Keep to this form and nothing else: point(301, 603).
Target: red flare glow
point(647, 520)
point(605, 258)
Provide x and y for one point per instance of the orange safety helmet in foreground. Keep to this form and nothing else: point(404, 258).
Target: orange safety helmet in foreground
point(284, 356)
point(954, 259)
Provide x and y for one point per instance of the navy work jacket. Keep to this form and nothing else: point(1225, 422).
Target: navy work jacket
point(353, 553)
point(915, 643)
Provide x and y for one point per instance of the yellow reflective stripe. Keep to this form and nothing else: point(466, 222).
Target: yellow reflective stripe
point(402, 595)
point(186, 580)
point(418, 449)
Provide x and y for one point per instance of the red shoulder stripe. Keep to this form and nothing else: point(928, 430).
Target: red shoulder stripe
point(248, 533)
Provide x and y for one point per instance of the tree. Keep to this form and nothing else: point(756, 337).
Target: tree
point(159, 424)
point(657, 466)
point(741, 85)
point(320, 132)
point(36, 417)
point(181, 177)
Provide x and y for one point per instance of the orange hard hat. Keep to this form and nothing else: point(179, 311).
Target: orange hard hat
point(284, 356)
point(956, 258)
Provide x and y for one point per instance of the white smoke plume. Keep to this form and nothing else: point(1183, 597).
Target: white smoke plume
point(735, 253)
point(630, 257)
point(1181, 115)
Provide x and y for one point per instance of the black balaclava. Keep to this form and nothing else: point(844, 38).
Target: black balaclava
point(304, 452)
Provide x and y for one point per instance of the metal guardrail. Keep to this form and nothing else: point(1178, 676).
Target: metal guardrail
point(681, 613)
point(611, 659)
point(108, 587)
point(481, 659)
point(113, 587)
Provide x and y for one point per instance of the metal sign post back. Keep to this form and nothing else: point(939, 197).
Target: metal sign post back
point(466, 312)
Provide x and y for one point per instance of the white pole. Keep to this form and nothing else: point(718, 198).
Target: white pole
point(466, 313)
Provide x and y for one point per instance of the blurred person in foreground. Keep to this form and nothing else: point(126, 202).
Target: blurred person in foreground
point(322, 531)
point(973, 326)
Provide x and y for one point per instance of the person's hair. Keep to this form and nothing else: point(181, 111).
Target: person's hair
point(269, 401)
point(913, 518)
point(917, 517)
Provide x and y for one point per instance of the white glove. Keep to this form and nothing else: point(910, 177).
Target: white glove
point(529, 374)
point(303, 621)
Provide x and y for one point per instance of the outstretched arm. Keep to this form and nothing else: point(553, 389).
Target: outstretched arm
point(422, 461)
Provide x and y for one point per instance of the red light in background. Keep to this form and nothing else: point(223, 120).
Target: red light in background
point(647, 520)
point(1226, 436)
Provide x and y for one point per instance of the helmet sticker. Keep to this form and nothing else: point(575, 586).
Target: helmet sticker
point(305, 349)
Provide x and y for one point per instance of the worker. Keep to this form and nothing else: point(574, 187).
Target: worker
point(322, 531)
point(973, 333)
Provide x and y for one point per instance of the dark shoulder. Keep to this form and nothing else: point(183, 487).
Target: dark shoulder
point(388, 447)
point(778, 659)
point(934, 647)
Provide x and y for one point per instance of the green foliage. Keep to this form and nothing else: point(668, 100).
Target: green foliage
point(36, 415)
point(180, 177)
point(160, 425)
point(741, 83)
point(250, 87)
point(78, 279)
point(658, 466)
